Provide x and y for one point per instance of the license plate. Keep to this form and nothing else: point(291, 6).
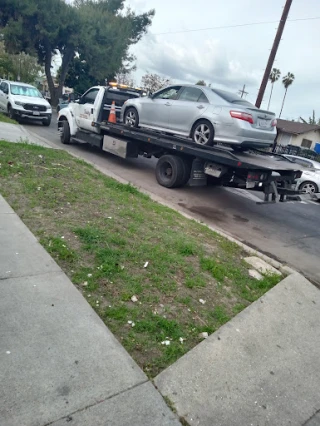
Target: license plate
point(36, 113)
point(263, 123)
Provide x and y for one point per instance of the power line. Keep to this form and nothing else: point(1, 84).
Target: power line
point(236, 25)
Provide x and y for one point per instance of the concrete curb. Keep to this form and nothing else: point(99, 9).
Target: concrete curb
point(284, 269)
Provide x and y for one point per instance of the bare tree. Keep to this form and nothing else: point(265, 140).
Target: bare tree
point(153, 82)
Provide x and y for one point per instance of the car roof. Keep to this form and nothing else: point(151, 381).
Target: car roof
point(18, 82)
point(315, 163)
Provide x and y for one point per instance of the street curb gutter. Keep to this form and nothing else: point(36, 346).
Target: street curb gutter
point(284, 269)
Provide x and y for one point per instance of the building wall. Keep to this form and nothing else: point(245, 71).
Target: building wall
point(313, 136)
point(284, 138)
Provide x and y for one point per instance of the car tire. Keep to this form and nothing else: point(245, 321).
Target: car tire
point(11, 113)
point(170, 171)
point(309, 187)
point(65, 133)
point(202, 133)
point(47, 122)
point(131, 117)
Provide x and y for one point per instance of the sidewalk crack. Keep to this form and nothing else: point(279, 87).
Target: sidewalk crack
point(97, 403)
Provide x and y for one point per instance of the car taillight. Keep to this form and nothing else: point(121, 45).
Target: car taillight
point(274, 123)
point(242, 116)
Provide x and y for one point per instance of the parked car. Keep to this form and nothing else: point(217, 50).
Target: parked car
point(204, 114)
point(20, 101)
point(310, 179)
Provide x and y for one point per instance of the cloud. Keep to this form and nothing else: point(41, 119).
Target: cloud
point(207, 61)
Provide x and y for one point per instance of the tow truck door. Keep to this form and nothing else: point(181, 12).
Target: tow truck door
point(87, 109)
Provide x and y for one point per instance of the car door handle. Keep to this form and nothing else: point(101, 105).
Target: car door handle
point(167, 104)
point(200, 106)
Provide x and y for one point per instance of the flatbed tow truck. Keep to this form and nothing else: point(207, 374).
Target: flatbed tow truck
point(180, 161)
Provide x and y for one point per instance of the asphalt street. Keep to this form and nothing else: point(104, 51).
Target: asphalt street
point(288, 232)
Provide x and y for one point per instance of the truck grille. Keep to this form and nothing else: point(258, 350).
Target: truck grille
point(33, 107)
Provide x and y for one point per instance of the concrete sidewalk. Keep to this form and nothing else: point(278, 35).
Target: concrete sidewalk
point(18, 133)
point(59, 364)
point(261, 368)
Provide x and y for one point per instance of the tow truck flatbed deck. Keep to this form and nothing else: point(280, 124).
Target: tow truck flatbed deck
point(253, 160)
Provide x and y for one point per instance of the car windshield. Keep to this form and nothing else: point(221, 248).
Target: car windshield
point(17, 89)
point(231, 98)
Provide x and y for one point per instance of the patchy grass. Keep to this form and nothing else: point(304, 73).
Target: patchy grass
point(6, 119)
point(114, 243)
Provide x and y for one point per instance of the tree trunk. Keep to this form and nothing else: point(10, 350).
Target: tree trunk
point(284, 98)
point(56, 92)
point(270, 95)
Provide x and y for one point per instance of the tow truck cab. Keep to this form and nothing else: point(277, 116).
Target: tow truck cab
point(94, 106)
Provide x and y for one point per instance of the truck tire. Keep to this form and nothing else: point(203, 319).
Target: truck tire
point(202, 133)
point(65, 133)
point(131, 117)
point(11, 113)
point(47, 122)
point(171, 171)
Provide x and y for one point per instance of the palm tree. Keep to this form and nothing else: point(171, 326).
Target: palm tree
point(273, 77)
point(287, 81)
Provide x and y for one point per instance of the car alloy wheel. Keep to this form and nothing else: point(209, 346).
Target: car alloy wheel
point(131, 118)
point(309, 187)
point(203, 133)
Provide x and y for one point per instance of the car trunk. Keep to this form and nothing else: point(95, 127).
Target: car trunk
point(262, 120)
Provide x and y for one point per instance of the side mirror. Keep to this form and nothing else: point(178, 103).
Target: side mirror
point(150, 95)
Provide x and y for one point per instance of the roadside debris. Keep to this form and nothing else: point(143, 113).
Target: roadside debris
point(134, 299)
point(202, 301)
point(146, 264)
point(255, 274)
point(166, 342)
point(204, 335)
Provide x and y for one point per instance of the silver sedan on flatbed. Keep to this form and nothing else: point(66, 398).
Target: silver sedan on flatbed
point(204, 114)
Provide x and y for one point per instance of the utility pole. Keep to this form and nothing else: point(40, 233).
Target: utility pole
point(273, 52)
point(243, 92)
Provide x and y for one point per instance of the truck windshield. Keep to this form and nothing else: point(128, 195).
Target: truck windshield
point(17, 89)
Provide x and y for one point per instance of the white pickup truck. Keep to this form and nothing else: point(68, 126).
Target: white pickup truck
point(78, 120)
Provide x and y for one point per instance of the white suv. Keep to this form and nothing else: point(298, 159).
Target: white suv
point(20, 100)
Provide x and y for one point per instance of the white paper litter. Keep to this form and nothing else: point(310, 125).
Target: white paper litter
point(89, 275)
point(204, 335)
point(146, 264)
point(134, 299)
point(8, 352)
point(166, 342)
point(181, 339)
point(202, 301)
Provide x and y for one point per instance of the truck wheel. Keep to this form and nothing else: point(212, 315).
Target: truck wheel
point(131, 117)
point(47, 122)
point(202, 133)
point(170, 171)
point(11, 113)
point(65, 133)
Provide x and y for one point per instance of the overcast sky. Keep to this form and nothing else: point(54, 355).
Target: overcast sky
point(229, 58)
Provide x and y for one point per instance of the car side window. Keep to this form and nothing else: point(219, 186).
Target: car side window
point(190, 94)
point(1, 87)
point(168, 93)
point(89, 97)
point(5, 88)
point(203, 98)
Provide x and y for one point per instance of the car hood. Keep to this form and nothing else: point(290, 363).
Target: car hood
point(30, 100)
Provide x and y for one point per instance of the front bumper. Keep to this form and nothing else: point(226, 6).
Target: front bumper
point(32, 115)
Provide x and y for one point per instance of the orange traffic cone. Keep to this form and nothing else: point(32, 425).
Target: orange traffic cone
point(112, 116)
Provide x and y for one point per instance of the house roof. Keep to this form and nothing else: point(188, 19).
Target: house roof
point(294, 127)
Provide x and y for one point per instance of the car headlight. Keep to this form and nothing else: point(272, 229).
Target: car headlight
point(49, 109)
point(19, 103)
